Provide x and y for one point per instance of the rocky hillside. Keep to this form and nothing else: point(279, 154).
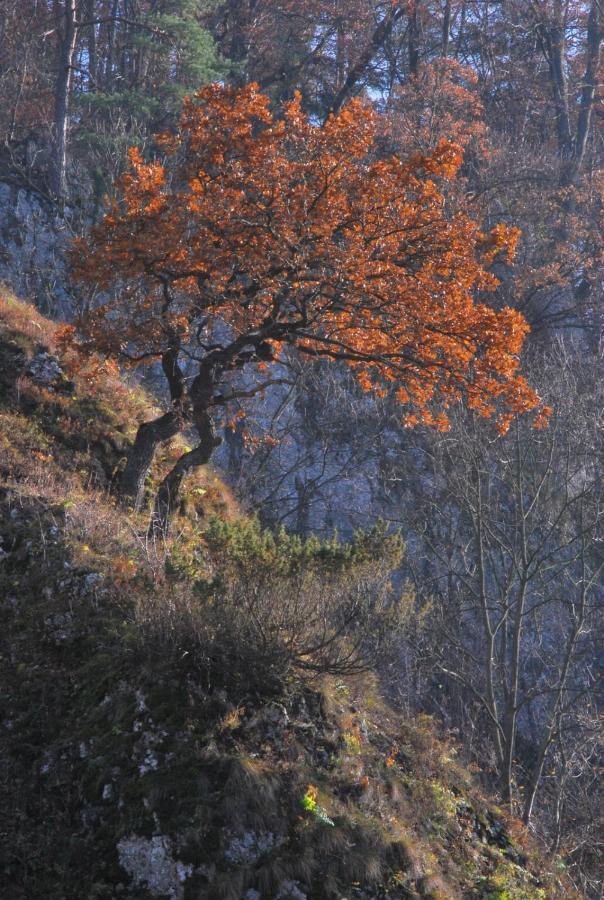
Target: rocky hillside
point(148, 747)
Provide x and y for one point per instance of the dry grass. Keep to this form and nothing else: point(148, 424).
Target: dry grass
point(24, 319)
point(65, 448)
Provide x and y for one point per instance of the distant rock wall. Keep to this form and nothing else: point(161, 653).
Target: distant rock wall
point(328, 463)
point(33, 237)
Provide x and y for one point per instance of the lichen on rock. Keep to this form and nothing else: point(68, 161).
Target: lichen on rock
point(247, 848)
point(150, 864)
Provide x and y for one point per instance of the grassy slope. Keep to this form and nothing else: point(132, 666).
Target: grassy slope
point(104, 735)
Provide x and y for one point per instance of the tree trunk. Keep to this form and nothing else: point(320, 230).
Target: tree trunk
point(446, 30)
point(169, 490)
point(560, 89)
point(382, 32)
point(108, 75)
point(149, 437)
point(413, 41)
point(591, 80)
point(552, 37)
point(510, 716)
point(201, 396)
point(62, 92)
point(238, 19)
point(92, 48)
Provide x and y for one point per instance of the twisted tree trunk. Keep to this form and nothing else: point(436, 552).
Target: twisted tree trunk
point(149, 438)
point(167, 496)
point(201, 396)
point(151, 435)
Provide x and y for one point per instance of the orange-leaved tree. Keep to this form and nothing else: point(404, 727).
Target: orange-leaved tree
point(263, 232)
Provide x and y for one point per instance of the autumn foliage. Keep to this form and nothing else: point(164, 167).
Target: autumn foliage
point(261, 232)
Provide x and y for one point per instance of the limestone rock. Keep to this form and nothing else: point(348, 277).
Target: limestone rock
point(45, 369)
point(150, 864)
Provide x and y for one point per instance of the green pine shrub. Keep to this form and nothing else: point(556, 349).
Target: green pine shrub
point(260, 605)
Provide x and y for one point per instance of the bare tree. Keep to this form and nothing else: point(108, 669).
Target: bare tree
point(508, 549)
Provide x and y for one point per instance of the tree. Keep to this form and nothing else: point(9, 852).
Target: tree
point(327, 49)
point(554, 23)
point(440, 101)
point(83, 72)
point(66, 51)
point(25, 63)
point(508, 555)
point(265, 233)
point(139, 61)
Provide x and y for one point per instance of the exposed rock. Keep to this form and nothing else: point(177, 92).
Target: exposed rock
point(290, 890)
point(150, 864)
point(247, 848)
point(272, 719)
point(46, 765)
point(33, 237)
point(60, 627)
point(141, 705)
point(149, 764)
point(93, 580)
point(276, 714)
point(45, 369)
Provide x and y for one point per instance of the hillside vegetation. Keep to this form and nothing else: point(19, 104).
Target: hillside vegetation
point(161, 735)
point(302, 506)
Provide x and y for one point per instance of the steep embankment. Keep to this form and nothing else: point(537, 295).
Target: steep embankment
point(135, 765)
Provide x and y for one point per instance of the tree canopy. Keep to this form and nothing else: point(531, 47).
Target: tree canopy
point(258, 232)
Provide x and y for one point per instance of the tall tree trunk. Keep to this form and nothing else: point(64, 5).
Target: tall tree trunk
point(446, 29)
point(92, 47)
point(382, 32)
point(591, 79)
point(238, 19)
point(555, 725)
point(552, 36)
point(108, 77)
point(461, 33)
point(413, 40)
point(510, 716)
point(62, 96)
point(489, 633)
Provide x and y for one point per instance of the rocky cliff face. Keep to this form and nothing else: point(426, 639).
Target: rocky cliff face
point(327, 462)
point(33, 236)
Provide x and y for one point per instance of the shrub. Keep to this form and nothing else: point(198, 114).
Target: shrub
point(257, 605)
